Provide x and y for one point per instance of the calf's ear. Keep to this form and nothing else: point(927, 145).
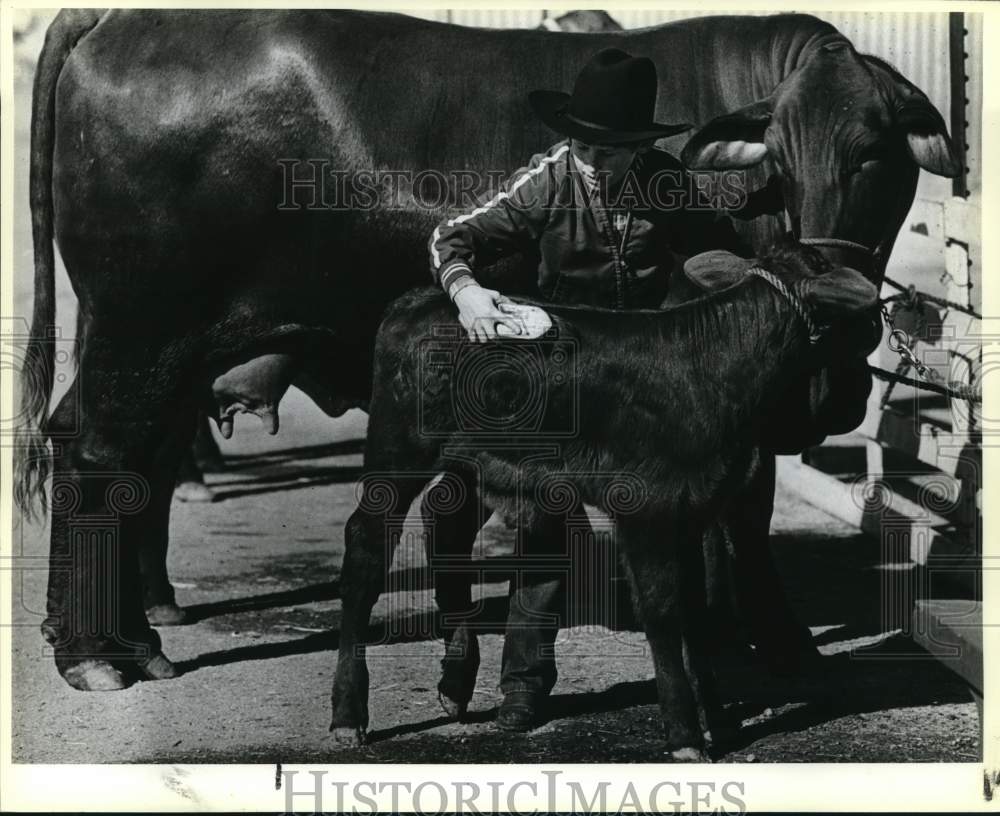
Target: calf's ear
point(732, 140)
point(841, 291)
point(716, 269)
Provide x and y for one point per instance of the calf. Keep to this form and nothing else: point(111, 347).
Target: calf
point(671, 403)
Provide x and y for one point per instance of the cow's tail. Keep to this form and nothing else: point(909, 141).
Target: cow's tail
point(32, 461)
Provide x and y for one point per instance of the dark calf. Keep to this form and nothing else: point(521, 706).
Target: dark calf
point(676, 400)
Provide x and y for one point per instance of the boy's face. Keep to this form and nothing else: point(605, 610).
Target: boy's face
point(609, 161)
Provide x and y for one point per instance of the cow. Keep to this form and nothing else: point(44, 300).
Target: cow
point(162, 142)
point(672, 404)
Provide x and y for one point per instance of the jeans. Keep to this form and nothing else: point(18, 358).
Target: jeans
point(537, 603)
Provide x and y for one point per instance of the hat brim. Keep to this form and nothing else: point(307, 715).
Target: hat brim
point(552, 108)
point(716, 269)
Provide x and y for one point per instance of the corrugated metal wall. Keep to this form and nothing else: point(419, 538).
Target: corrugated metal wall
point(915, 43)
point(974, 93)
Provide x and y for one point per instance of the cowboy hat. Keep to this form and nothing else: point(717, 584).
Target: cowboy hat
point(613, 102)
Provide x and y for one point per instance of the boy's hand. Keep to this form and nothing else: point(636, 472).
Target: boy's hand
point(479, 313)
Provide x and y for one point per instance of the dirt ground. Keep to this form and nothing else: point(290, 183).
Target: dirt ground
point(259, 569)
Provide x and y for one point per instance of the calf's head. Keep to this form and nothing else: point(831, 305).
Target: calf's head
point(828, 393)
point(831, 296)
point(846, 134)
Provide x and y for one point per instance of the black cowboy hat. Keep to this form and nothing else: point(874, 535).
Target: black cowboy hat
point(613, 102)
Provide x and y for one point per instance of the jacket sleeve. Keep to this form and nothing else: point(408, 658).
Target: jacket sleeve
point(500, 225)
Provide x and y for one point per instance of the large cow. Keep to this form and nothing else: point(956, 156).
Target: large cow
point(668, 415)
point(161, 141)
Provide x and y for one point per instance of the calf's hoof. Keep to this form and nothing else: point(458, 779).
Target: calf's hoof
point(193, 492)
point(94, 675)
point(689, 755)
point(458, 674)
point(348, 736)
point(454, 709)
point(168, 614)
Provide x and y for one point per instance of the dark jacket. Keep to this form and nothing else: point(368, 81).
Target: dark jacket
point(616, 253)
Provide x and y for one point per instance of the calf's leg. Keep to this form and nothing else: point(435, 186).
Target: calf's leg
point(452, 516)
point(656, 575)
point(371, 536)
point(782, 641)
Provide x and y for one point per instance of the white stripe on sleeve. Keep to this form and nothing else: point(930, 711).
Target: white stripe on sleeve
point(501, 196)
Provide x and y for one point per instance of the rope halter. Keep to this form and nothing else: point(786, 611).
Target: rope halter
point(800, 308)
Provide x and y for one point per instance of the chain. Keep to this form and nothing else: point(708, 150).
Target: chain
point(902, 344)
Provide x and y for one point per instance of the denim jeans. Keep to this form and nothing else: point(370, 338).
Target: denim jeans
point(537, 605)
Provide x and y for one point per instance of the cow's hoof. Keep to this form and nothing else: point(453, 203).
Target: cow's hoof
point(168, 614)
point(193, 492)
point(158, 667)
point(348, 736)
point(50, 632)
point(452, 708)
point(95, 675)
point(689, 755)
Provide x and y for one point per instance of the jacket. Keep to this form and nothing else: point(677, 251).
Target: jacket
point(616, 252)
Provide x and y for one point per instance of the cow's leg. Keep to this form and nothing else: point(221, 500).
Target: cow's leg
point(370, 538)
point(204, 448)
point(96, 622)
point(158, 593)
point(201, 456)
point(452, 517)
point(190, 482)
point(781, 640)
point(656, 573)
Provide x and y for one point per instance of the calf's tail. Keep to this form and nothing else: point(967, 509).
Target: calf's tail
point(32, 463)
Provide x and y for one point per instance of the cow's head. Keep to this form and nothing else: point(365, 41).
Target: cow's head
point(847, 135)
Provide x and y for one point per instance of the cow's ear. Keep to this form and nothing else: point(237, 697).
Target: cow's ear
point(732, 140)
point(841, 291)
point(927, 137)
